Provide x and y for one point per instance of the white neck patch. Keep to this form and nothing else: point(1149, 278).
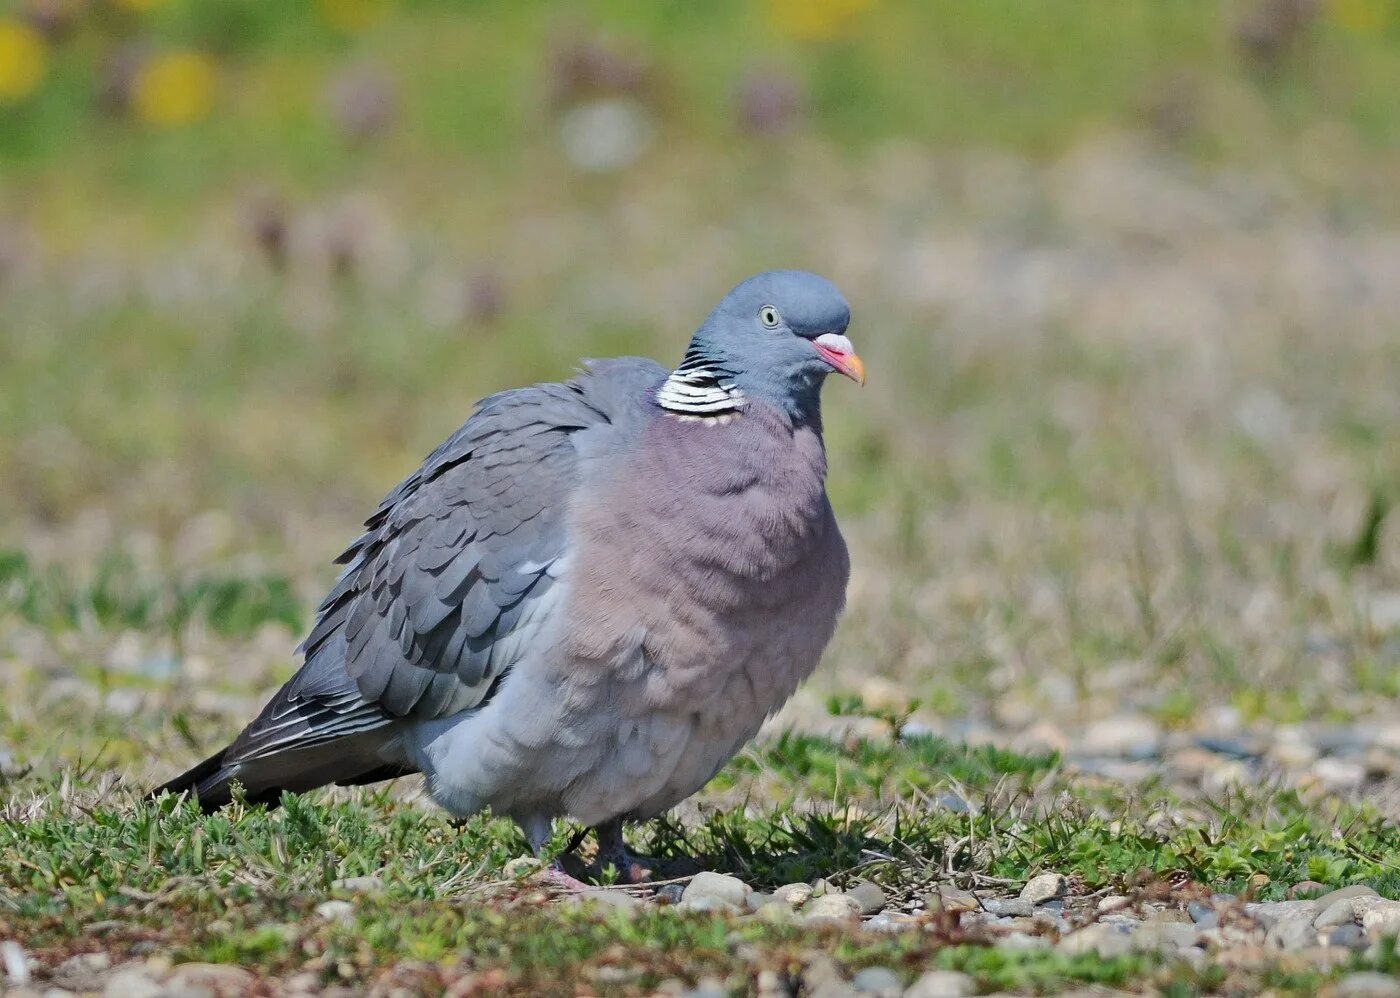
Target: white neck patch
point(699, 392)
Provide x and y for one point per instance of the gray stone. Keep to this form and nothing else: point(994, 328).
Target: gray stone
point(1269, 912)
point(869, 896)
point(1381, 919)
point(1339, 912)
point(1348, 936)
point(1290, 933)
point(793, 895)
point(1367, 984)
point(1202, 914)
point(842, 907)
point(1022, 941)
point(891, 922)
point(1013, 907)
point(1044, 887)
point(1353, 891)
point(335, 911)
point(707, 903)
point(721, 887)
point(1165, 936)
point(619, 900)
point(757, 899)
point(880, 981)
point(670, 893)
point(1105, 939)
point(942, 984)
point(134, 980)
point(220, 979)
point(370, 884)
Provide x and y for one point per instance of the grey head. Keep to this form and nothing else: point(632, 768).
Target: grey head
point(774, 338)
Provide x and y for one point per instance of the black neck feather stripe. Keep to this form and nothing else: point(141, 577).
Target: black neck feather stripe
point(699, 387)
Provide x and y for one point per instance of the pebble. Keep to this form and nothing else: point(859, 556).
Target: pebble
point(880, 981)
point(953, 899)
point(134, 980)
point(371, 884)
point(1367, 984)
point(1113, 904)
point(670, 893)
point(1013, 907)
point(1126, 736)
point(1382, 919)
point(619, 900)
point(1044, 887)
point(220, 979)
point(1293, 932)
point(1269, 912)
point(1107, 939)
point(1348, 936)
point(942, 984)
point(840, 907)
point(1202, 914)
point(869, 896)
point(793, 895)
point(1345, 893)
point(1339, 775)
point(335, 911)
point(719, 887)
point(1154, 936)
point(891, 922)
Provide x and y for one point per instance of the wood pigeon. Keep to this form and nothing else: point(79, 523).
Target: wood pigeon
point(591, 596)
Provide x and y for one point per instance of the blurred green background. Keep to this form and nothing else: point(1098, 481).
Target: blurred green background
point(1125, 276)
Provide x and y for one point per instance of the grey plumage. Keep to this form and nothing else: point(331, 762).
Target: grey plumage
point(590, 595)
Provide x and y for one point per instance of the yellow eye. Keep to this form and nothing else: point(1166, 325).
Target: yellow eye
point(768, 315)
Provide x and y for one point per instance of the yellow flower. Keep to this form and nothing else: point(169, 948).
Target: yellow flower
point(815, 20)
point(1365, 17)
point(352, 15)
point(23, 60)
point(174, 89)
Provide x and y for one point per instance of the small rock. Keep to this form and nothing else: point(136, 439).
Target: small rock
point(1113, 904)
point(716, 886)
point(134, 980)
point(1044, 887)
point(1353, 891)
point(335, 911)
point(1269, 912)
point(756, 900)
point(891, 922)
point(1107, 939)
point(670, 893)
point(1367, 984)
point(942, 984)
point(1009, 907)
point(1291, 933)
point(869, 896)
point(953, 899)
point(1349, 936)
point(220, 979)
point(706, 903)
point(620, 900)
point(878, 981)
point(1382, 919)
point(1126, 736)
point(1309, 887)
point(793, 895)
point(1339, 775)
point(842, 907)
point(1165, 936)
point(1021, 941)
point(521, 867)
point(1339, 912)
point(369, 884)
point(1202, 914)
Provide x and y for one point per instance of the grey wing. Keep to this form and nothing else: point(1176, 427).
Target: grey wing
point(453, 561)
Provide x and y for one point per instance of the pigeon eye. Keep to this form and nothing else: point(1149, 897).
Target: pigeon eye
point(768, 315)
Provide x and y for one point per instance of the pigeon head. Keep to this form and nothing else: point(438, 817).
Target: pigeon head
point(773, 338)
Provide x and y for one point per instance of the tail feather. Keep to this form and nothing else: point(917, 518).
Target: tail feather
point(346, 762)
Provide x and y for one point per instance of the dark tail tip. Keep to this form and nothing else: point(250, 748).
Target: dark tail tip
point(206, 782)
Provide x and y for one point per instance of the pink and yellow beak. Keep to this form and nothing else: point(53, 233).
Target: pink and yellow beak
point(837, 351)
